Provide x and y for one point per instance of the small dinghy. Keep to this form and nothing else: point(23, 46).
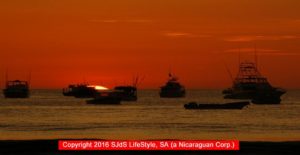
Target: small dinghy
point(232, 105)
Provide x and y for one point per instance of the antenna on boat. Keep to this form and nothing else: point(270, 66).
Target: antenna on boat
point(228, 71)
point(255, 57)
point(29, 78)
point(6, 77)
point(239, 55)
point(136, 80)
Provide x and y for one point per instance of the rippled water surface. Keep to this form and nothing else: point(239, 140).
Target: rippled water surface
point(49, 115)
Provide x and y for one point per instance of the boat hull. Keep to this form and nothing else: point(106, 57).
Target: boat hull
point(104, 101)
point(79, 91)
point(16, 94)
point(126, 93)
point(257, 97)
point(233, 105)
point(172, 94)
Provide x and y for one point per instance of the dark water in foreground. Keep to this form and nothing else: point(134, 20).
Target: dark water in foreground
point(49, 115)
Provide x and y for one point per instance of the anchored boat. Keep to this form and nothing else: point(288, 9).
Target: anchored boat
point(80, 91)
point(16, 89)
point(250, 84)
point(127, 93)
point(233, 105)
point(172, 89)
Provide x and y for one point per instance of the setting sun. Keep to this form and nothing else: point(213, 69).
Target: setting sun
point(99, 87)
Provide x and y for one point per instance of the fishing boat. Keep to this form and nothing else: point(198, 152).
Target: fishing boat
point(232, 105)
point(16, 89)
point(80, 91)
point(172, 89)
point(106, 97)
point(250, 84)
point(127, 93)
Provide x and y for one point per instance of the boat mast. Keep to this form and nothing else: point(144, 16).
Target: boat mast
point(29, 78)
point(6, 77)
point(255, 57)
point(239, 59)
point(239, 56)
point(228, 71)
point(136, 80)
point(170, 72)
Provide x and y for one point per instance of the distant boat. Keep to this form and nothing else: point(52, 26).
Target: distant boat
point(172, 89)
point(80, 91)
point(16, 89)
point(127, 93)
point(250, 84)
point(233, 105)
point(106, 97)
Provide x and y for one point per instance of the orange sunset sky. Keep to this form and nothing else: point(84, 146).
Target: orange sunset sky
point(106, 42)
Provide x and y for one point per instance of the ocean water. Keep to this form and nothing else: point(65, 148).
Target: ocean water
point(47, 114)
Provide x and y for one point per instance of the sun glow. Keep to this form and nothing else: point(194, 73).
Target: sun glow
point(99, 87)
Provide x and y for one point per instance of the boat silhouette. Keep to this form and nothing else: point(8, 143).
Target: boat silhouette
point(126, 93)
point(80, 91)
point(250, 84)
point(232, 105)
point(106, 97)
point(172, 89)
point(16, 89)
point(129, 92)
